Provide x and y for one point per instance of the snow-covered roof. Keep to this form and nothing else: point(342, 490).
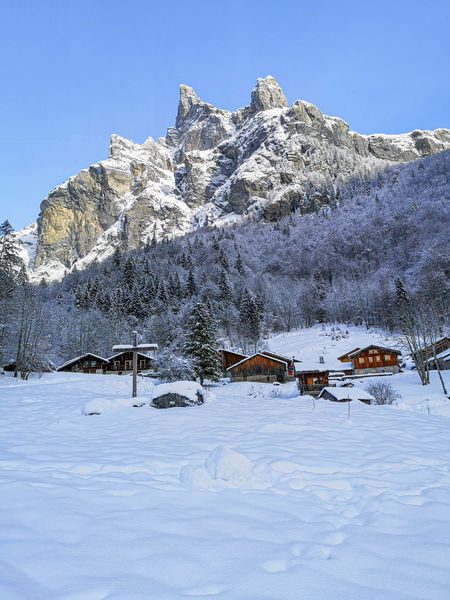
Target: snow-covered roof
point(347, 393)
point(348, 353)
point(130, 346)
point(232, 352)
point(444, 355)
point(124, 351)
point(74, 360)
point(283, 362)
point(359, 350)
point(280, 356)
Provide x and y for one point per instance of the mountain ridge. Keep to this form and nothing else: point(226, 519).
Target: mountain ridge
point(214, 167)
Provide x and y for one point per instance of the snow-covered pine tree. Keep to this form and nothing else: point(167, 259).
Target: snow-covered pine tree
point(250, 317)
point(201, 343)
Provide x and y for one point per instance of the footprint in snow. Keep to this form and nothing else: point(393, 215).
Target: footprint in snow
point(275, 566)
point(207, 590)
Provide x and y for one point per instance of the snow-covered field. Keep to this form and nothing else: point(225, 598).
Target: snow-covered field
point(256, 495)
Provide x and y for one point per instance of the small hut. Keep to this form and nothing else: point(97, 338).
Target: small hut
point(312, 382)
point(346, 394)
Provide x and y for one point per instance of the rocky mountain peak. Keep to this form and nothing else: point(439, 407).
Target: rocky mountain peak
point(215, 167)
point(188, 98)
point(267, 94)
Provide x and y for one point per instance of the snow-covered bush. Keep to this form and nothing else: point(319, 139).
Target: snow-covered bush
point(383, 392)
point(173, 367)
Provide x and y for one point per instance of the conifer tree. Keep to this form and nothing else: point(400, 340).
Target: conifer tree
point(191, 287)
point(201, 343)
point(250, 317)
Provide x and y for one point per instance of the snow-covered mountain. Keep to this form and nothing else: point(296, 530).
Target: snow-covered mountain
point(213, 167)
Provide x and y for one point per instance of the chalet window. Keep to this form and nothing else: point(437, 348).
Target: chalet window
point(370, 359)
point(142, 363)
point(387, 357)
point(116, 365)
point(361, 360)
point(128, 366)
point(378, 358)
point(93, 363)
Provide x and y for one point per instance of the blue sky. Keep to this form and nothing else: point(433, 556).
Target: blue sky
point(75, 71)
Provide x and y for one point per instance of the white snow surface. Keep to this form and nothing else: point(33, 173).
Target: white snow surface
point(258, 494)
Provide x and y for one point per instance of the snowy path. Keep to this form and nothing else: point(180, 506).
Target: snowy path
point(93, 508)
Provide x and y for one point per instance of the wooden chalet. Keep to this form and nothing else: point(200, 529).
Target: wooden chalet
point(312, 382)
point(229, 358)
point(374, 359)
point(86, 363)
point(122, 363)
point(260, 368)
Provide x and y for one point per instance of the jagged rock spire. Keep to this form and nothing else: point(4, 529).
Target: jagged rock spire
point(267, 94)
point(187, 99)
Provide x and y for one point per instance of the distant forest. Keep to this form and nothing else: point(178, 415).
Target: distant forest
point(337, 265)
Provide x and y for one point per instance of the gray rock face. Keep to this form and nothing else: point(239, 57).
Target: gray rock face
point(262, 161)
point(173, 400)
point(266, 95)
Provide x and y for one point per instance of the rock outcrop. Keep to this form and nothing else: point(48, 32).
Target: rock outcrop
point(214, 167)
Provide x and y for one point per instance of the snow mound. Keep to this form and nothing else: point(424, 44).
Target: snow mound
point(99, 406)
point(229, 465)
point(224, 467)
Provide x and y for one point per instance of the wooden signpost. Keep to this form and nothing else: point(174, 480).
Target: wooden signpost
point(135, 348)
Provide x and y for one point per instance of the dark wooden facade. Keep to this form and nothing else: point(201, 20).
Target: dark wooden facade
point(289, 361)
point(87, 363)
point(440, 346)
point(122, 362)
point(312, 382)
point(229, 358)
point(260, 368)
point(375, 359)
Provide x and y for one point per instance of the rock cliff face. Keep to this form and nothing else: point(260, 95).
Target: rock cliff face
point(214, 167)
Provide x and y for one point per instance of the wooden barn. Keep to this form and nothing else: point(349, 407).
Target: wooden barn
point(312, 382)
point(374, 359)
point(260, 368)
point(122, 363)
point(86, 363)
point(229, 358)
point(289, 361)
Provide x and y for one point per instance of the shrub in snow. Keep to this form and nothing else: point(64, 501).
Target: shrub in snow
point(178, 394)
point(173, 367)
point(383, 392)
